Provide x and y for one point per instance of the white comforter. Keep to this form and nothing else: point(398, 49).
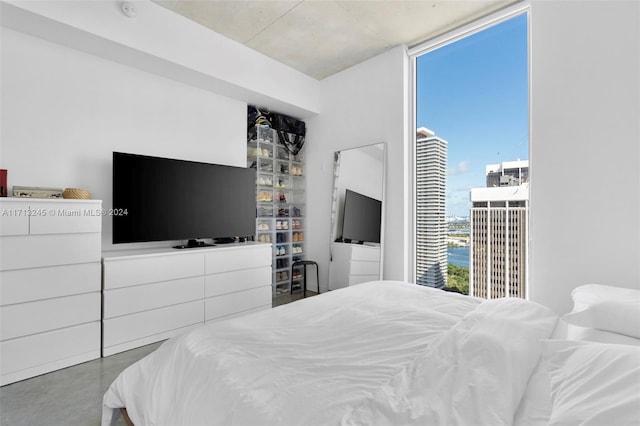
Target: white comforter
point(376, 353)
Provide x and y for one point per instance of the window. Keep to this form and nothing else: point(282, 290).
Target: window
point(471, 168)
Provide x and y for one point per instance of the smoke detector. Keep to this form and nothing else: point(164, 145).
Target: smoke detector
point(128, 9)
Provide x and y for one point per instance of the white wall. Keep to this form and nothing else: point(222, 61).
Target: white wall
point(65, 111)
point(585, 152)
point(362, 105)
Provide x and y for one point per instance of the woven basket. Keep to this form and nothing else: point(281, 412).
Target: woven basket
point(76, 193)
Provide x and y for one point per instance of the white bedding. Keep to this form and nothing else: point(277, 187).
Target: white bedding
point(536, 405)
point(376, 353)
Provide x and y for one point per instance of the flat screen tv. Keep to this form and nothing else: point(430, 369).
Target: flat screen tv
point(361, 219)
point(162, 199)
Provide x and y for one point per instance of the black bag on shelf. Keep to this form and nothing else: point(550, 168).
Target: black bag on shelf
point(287, 124)
point(291, 131)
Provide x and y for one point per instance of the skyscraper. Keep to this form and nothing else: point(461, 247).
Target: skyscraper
point(499, 232)
point(431, 227)
point(508, 173)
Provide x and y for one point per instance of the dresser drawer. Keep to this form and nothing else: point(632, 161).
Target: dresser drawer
point(35, 251)
point(229, 282)
point(14, 218)
point(124, 301)
point(143, 270)
point(228, 304)
point(241, 314)
point(364, 268)
point(40, 353)
point(236, 258)
point(144, 324)
point(25, 285)
point(46, 315)
point(67, 218)
point(365, 253)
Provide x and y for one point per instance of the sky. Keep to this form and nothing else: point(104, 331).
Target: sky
point(474, 94)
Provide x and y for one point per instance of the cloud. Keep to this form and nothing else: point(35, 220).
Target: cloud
point(462, 167)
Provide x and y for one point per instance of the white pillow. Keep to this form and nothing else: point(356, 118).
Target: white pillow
point(566, 331)
point(575, 332)
point(606, 308)
point(593, 383)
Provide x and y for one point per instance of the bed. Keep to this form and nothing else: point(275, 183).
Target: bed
point(386, 352)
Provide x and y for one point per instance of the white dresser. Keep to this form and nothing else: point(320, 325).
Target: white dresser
point(353, 264)
point(151, 295)
point(49, 285)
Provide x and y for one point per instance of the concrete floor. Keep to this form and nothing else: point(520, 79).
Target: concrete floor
point(288, 298)
point(69, 397)
point(73, 396)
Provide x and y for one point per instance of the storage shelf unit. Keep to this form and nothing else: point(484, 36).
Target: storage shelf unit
point(49, 285)
point(280, 192)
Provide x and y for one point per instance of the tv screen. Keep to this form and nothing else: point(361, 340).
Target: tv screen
point(362, 217)
point(164, 199)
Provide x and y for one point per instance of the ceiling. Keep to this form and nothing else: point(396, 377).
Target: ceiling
point(322, 37)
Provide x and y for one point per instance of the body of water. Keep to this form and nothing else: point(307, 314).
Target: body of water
point(458, 256)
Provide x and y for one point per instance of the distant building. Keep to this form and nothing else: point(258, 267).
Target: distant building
point(508, 173)
point(499, 233)
point(431, 226)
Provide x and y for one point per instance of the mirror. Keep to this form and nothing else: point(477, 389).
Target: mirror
point(357, 216)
